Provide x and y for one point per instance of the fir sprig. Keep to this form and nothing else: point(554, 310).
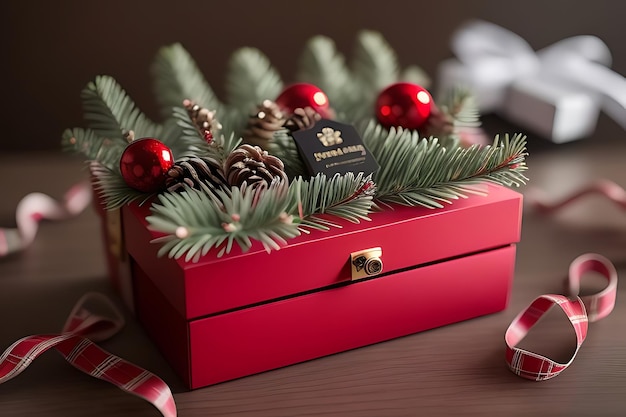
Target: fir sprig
point(461, 105)
point(194, 222)
point(421, 172)
point(284, 147)
point(93, 147)
point(413, 171)
point(109, 184)
point(346, 196)
point(177, 77)
point(251, 79)
point(322, 65)
point(196, 145)
point(110, 112)
point(374, 67)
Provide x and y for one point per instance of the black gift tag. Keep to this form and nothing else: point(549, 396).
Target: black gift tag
point(332, 147)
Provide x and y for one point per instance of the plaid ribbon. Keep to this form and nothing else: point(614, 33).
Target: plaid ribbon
point(579, 311)
point(76, 344)
point(36, 207)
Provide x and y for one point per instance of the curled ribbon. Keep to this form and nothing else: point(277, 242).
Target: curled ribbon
point(494, 58)
point(603, 187)
point(579, 310)
point(36, 207)
point(76, 344)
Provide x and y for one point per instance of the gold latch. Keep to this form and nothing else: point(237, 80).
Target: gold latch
point(366, 263)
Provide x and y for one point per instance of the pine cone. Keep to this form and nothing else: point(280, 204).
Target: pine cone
point(302, 118)
point(262, 125)
point(194, 172)
point(439, 124)
point(253, 166)
point(203, 118)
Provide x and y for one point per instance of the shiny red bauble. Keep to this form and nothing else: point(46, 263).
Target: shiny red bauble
point(144, 164)
point(403, 105)
point(303, 95)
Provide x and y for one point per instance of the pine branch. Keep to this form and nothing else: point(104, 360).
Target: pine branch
point(461, 105)
point(177, 77)
point(422, 172)
point(109, 111)
point(194, 222)
point(374, 67)
point(94, 148)
point(283, 147)
point(322, 65)
point(251, 79)
point(349, 197)
point(188, 134)
point(416, 75)
point(223, 145)
point(112, 187)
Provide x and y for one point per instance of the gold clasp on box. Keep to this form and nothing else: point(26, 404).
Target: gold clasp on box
point(366, 263)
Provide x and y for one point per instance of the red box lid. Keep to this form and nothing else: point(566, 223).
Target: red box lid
point(408, 236)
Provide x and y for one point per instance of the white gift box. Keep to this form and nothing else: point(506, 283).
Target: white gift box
point(557, 92)
point(551, 108)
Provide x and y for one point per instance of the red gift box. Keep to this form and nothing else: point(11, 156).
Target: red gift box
point(245, 313)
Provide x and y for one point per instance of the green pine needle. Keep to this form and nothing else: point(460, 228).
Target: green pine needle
point(251, 79)
point(422, 172)
point(414, 171)
point(219, 219)
point(109, 111)
point(374, 65)
point(234, 221)
point(322, 65)
point(346, 196)
point(177, 77)
point(462, 106)
point(284, 147)
point(111, 186)
point(416, 75)
point(93, 147)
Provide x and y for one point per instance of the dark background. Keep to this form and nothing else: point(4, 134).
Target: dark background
point(52, 49)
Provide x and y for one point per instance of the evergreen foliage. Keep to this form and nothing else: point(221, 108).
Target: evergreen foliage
point(414, 170)
point(322, 65)
point(219, 222)
point(109, 111)
point(177, 77)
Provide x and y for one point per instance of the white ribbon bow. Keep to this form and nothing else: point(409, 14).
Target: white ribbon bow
point(494, 58)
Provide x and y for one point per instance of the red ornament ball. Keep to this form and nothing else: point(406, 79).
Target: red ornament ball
point(303, 95)
point(144, 164)
point(405, 105)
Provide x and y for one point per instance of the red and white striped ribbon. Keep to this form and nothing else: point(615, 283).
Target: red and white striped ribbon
point(603, 187)
point(579, 311)
point(36, 207)
point(76, 344)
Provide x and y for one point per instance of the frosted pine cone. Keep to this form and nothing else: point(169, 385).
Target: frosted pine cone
point(204, 119)
point(253, 166)
point(302, 118)
point(194, 172)
point(262, 125)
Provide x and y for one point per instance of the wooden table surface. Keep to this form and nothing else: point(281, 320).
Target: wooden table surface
point(454, 370)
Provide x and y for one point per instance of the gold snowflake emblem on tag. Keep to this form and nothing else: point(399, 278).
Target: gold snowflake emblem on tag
point(329, 136)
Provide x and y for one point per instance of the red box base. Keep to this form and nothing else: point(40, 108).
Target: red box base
point(225, 318)
point(272, 335)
